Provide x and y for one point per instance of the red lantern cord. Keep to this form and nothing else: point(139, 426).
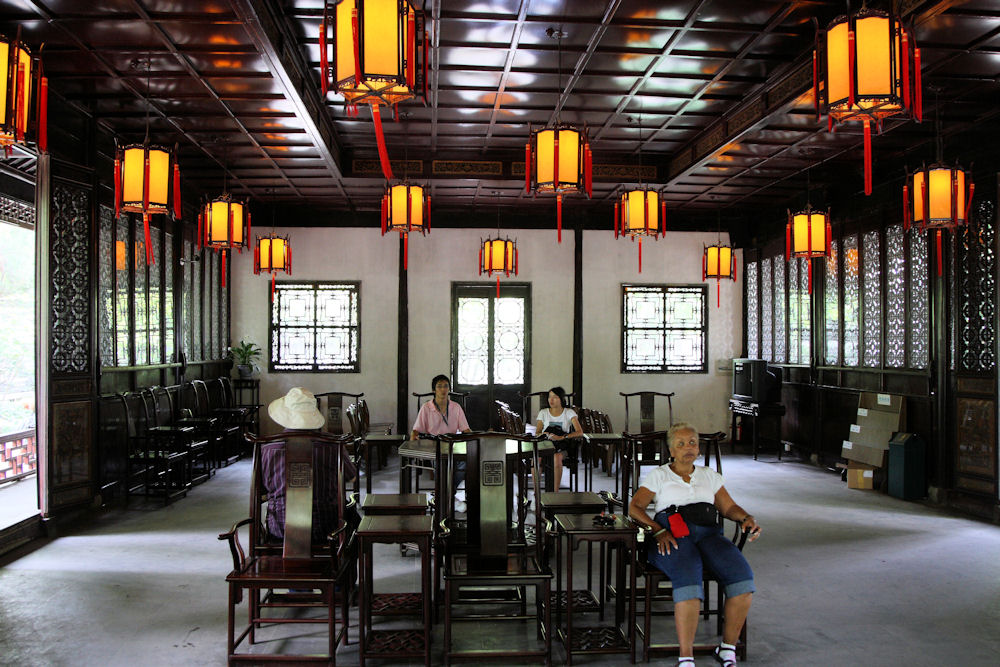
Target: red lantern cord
point(868, 156)
point(383, 154)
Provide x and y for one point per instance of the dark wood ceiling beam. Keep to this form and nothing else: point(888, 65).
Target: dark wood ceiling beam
point(663, 54)
point(584, 59)
point(515, 40)
point(264, 22)
point(194, 75)
point(777, 97)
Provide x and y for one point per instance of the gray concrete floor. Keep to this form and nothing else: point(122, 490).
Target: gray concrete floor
point(844, 577)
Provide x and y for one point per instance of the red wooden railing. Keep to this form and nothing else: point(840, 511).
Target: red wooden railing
point(18, 455)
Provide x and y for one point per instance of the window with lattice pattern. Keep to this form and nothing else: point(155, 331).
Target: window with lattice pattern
point(316, 327)
point(664, 329)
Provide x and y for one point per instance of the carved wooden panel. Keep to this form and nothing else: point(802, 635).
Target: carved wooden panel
point(71, 442)
point(976, 452)
point(70, 278)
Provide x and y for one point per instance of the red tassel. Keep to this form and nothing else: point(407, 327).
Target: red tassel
point(223, 268)
point(409, 209)
point(663, 218)
point(704, 265)
point(718, 293)
point(589, 174)
point(640, 254)
point(559, 218)
point(939, 252)
point(406, 250)
point(788, 239)
point(968, 201)
point(645, 211)
point(906, 68)
point(272, 286)
point(480, 260)
point(256, 260)
point(734, 262)
point(118, 185)
point(428, 214)
point(516, 254)
point(527, 167)
point(230, 221)
point(246, 241)
point(288, 258)
point(829, 123)
point(383, 154)
point(919, 89)
point(178, 210)
point(616, 219)
point(810, 263)
point(324, 83)
point(954, 198)
point(829, 237)
point(868, 156)
point(851, 72)
point(201, 232)
point(150, 258)
point(498, 285)
point(43, 115)
point(411, 36)
point(357, 45)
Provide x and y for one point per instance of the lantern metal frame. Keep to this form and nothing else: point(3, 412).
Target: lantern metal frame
point(258, 265)
point(486, 256)
point(961, 183)
point(26, 102)
point(205, 226)
point(810, 253)
point(404, 227)
point(706, 267)
point(171, 204)
point(362, 86)
point(901, 96)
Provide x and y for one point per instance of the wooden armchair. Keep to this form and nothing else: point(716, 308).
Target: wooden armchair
point(316, 574)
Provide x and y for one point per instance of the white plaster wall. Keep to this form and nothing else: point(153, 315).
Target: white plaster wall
point(701, 399)
point(351, 254)
point(452, 255)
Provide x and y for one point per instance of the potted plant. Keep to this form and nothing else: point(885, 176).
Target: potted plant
point(245, 354)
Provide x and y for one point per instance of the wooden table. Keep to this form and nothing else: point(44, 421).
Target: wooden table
point(377, 440)
point(395, 643)
point(576, 529)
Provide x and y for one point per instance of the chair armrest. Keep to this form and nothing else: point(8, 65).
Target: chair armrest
point(235, 548)
point(612, 500)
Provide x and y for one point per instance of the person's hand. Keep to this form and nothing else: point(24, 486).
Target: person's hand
point(750, 525)
point(665, 542)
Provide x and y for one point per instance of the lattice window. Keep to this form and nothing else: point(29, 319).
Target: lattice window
point(197, 333)
point(766, 299)
point(852, 300)
point(780, 348)
point(872, 299)
point(895, 297)
point(316, 327)
point(753, 311)
point(140, 294)
point(155, 299)
point(919, 288)
point(799, 301)
point(106, 274)
point(508, 333)
point(473, 340)
point(186, 328)
point(976, 293)
point(168, 297)
point(664, 329)
point(831, 306)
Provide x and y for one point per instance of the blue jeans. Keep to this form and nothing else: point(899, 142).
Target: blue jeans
point(705, 546)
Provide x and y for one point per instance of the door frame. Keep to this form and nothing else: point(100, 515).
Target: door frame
point(489, 289)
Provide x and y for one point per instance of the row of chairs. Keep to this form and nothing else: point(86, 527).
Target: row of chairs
point(178, 438)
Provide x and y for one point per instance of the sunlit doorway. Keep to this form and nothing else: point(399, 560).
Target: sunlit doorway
point(18, 450)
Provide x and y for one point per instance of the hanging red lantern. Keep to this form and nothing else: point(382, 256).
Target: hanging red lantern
point(405, 209)
point(24, 96)
point(866, 60)
point(147, 181)
point(224, 225)
point(640, 212)
point(808, 234)
point(938, 198)
point(272, 253)
point(718, 261)
point(498, 255)
point(379, 57)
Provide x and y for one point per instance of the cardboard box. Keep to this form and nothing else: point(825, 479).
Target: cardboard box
point(880, 419)
point(870, 436)
point(860, 476)
point(873, 404)
point(872, 456)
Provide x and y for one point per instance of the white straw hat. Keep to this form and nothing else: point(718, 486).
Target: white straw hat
point(296, 410)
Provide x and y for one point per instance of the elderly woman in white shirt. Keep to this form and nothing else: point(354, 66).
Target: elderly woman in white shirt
point(682, 547)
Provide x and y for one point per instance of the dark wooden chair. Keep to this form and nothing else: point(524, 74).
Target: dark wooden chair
point(316, 575)
point(165, 436)
point(149, 468)
point(647, 410)
point(491, 554)
point(571, 456)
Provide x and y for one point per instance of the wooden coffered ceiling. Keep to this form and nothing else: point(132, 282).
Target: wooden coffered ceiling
point(713, 97)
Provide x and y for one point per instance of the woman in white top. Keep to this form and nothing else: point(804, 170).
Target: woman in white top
point(682, 547)
point(559, 423)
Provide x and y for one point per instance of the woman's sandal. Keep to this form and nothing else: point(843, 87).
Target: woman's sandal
point(685, 662)
point(725, 656)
